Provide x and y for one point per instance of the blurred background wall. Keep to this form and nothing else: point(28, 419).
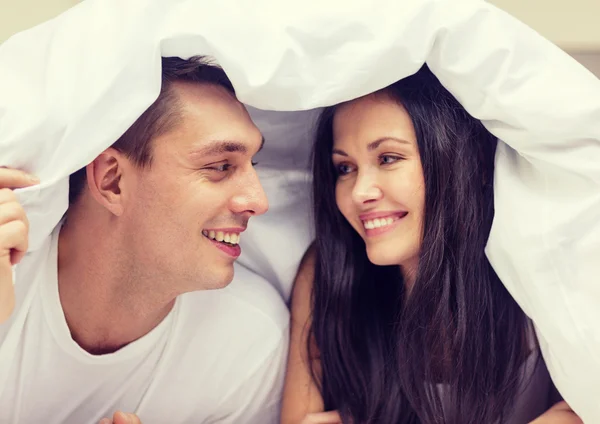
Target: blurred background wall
point(18, 15)
point(574, 25)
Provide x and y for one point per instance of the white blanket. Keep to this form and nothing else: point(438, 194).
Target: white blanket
point(71, 86)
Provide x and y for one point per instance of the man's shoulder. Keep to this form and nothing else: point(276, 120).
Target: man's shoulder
point(237, 330)
point(228, 347)
point(250, 307)
point(255, 296)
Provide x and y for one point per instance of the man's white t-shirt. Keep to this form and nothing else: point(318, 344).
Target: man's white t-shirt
point(218, 357)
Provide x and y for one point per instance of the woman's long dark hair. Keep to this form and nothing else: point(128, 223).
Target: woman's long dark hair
point(384, 355)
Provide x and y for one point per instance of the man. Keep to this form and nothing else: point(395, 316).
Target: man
point(115, 311)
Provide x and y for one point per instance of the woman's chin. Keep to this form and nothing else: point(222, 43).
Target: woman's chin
point(383, 258)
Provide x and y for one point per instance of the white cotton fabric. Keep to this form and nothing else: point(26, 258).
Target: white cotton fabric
point(218, 356)
point(70, 87)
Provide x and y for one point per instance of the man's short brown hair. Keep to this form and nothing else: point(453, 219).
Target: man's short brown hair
point(161, 116)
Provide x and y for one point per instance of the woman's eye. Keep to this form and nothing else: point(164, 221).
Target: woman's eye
point(343, 169)
point(388, 159)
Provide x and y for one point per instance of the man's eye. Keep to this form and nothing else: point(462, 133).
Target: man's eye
point(221, 168)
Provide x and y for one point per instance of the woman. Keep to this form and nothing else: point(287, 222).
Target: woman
point(397, 315)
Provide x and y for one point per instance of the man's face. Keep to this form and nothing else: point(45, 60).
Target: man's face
point(187, 209)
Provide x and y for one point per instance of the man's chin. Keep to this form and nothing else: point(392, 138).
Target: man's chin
point(221, 281)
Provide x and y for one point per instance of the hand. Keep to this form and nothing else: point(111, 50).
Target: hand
point(14, 230)
point(560, 413)
point(331, 417)
point(121, 418)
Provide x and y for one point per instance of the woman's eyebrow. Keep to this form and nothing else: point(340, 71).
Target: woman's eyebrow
point(373, 145)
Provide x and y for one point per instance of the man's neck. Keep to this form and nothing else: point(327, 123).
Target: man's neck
point(106, 305)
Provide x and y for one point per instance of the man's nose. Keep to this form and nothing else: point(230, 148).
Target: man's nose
point(251, 199)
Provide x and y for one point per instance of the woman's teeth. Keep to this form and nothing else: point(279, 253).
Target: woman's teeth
point(231, 238)
point(379, 222)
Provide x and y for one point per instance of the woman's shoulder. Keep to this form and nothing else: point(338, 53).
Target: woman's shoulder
point(305, 276)
point(302, 301)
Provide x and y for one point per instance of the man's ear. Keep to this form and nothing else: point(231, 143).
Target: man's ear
point(105, 179)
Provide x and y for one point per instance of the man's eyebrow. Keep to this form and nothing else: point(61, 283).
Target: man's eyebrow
point(218, 147)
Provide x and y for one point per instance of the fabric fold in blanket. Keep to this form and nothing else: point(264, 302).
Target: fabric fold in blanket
point(70, 87)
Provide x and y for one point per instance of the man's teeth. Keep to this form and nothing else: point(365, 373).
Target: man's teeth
point(378, 222)
point(231, 238)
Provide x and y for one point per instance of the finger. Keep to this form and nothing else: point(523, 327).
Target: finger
point(120, 418)
point(16, 256)
point(105, 421)
point(14, 178)
point(124, 418)
point(331, 417)
point(134, 419)
point(12, 211)
point(7, 196)
point(7, 291)
point(13, 235)
point(7, 295)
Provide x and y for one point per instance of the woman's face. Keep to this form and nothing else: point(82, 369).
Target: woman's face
point(380, 188)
